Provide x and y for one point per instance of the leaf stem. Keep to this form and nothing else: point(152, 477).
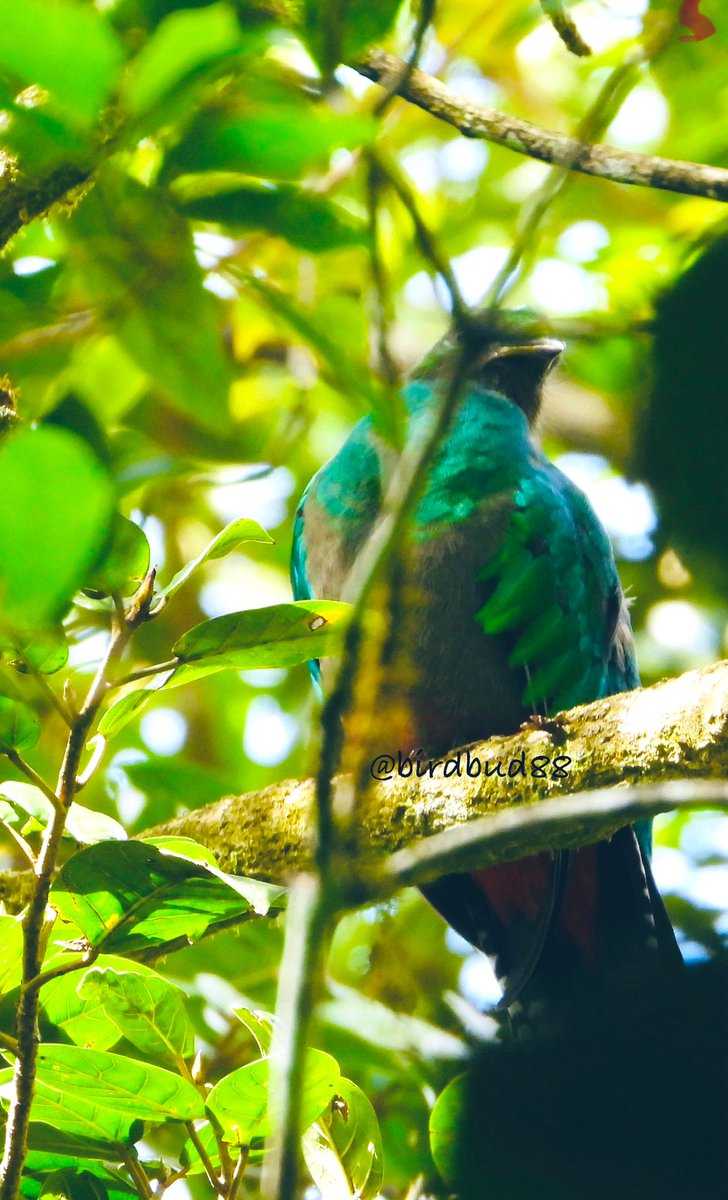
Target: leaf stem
point(204, 1157)
point(143, 673)
point(25, 768)
point(138, 1174)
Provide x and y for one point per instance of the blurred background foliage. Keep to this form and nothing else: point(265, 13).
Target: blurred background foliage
point(202, 315)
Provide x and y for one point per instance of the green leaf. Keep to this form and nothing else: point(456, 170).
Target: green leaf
point(136, 258)
point(233, 535)
point(125, 561)
point(57, 504)
point(66, 48)
point(84, 825)
point(182, 44)
point(148, 1010)
point(19, 726)
point(11, 952)
point(84, 1019)
point(279, 635)
point(447, 1120)
point(285, 139)
point(303, 218)
point(260, 1024)
point(339, 30)
point(185, 847)
point(343, 1151)
point(43, 650)
point(123, 710)
point(128, 896)
point(238, 1104)
point(82, 1091)
point(45, 1139)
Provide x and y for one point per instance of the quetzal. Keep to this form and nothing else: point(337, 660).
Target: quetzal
point(520, 612)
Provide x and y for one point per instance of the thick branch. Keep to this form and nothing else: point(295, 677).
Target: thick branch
point(481, 121)
point(677, 729)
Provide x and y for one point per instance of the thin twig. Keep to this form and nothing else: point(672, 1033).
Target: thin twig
point(404, 70)
point(382, 296)
point(563, 23)
point(138, 1174)
point(427, 243)
point(30, 773)
point(143, 672)
point(203, 1156)
point(606, 162)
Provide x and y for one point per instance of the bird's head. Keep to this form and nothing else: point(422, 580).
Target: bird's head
point(505, 355)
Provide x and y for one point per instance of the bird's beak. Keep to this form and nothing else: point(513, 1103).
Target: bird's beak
point(547, 349)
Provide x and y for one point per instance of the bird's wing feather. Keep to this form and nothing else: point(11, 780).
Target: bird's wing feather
point(556, 593)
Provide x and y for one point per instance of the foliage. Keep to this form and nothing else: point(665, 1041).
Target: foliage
point(187, 336)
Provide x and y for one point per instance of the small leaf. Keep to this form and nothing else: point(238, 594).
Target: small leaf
point(182, 44)
point(123, 710)
point(233, 535)
point(238, 1104)
point(128, 896)
point(73, 1185)
point(447, 1120)
point(57, 503)
point(260, 1024)
point(125, 561)
point(44, 650)
point(343, 1152)
point(66, 48)
point(19, 726)
point(303, 218)
point(148, 1010)
point(279, 635)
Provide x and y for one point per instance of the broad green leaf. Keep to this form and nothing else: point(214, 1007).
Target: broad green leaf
point(135, 256)
point(19, 726)
point(80, 1117)
point(128, 896)
point(260, 1024)
point(279, 635)
point(343, 1150)
point(11, 952)
point(238, 1104)
point(189, 1156)
point(339, 30)
point(185, 847)
point(446, 1124)
point(92, 1093)
point(84, 1019)
point(233, 535)
point(43, 1162)
point(125, 561)
point(283, 139)
point(123, 710)
point(303, 218)
point(45, 1140)
point(84, 825)
point(182, 44)
point(148, 1010)
point(67, 48)
point(57, 504)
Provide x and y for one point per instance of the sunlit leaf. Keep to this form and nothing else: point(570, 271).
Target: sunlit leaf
point(233, 535)
point(125, 561)
point(185, 847)
point(260, 1024)
point(238, 1104)
point(11, 952)
point(44, 650)
point(57, 503)
point(19, 726)
point(279, 635)
point(148, 1010)
point(82, 1018)
point(123, 710)
point(83, 824)
point(446, 1124)
point(343, 1150)
point(128, 896)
